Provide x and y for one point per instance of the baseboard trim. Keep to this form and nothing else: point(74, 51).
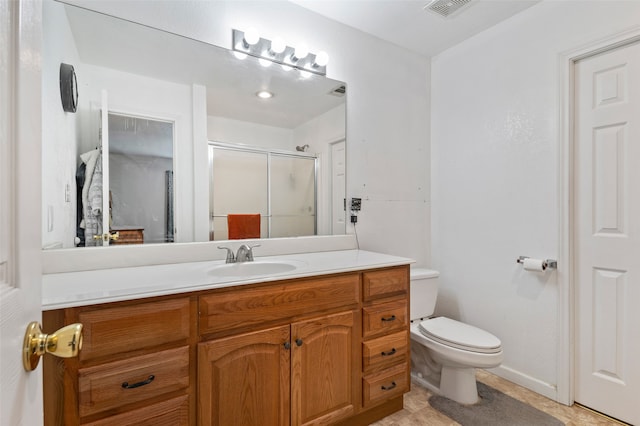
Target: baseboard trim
point(374, 414)
point(531, 383)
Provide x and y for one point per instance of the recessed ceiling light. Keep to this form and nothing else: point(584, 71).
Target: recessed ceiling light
point(263, 94)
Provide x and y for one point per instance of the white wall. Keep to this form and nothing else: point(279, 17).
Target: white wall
point(226, 130)
point(138, 191)
point(495, 180)
point(59, 129)
point(319, 133)
point(387, 107)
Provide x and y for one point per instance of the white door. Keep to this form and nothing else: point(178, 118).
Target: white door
point(607, 232)
point(96, 198)
point(20, 206)
point(104, 147)
point(338, 188)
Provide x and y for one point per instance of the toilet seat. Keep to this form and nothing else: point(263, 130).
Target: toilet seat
point(459, 335)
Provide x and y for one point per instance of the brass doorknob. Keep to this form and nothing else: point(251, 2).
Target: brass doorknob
point(107, 237)
point(64, 343)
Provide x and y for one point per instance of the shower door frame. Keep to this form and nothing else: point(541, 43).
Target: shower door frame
point(268, 152)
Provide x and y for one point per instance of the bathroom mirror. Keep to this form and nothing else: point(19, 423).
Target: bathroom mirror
point(195, 94)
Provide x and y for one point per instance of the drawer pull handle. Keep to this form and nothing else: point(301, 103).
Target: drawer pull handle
point(299, 342)
point(387, 319)
point(287, 345)
point(391, 352)
point(126, 385)
point(385, 388)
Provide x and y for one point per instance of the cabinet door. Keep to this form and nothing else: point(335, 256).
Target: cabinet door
point(322, 363)
point(245, 379)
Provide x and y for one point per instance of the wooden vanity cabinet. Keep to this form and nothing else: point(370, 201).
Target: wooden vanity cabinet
point(291, 352)
point(296, 374)
point(386, 363)
point(136, 365)
point(301, 370)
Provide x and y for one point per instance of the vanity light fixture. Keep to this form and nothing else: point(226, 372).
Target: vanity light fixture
point(250, 43)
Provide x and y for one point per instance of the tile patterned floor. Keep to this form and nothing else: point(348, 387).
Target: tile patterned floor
point(417, 410)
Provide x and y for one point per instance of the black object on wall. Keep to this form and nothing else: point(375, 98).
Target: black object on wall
point(68, 88)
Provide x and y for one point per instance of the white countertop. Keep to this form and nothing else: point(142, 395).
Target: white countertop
point(69, 289)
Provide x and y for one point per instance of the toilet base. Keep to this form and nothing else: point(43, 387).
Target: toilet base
point(459, 384)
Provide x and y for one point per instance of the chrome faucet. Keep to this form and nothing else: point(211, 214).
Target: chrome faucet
point(245, 253)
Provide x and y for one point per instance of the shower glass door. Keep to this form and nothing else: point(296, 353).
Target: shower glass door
point(281, 187)
point(238, 185)
point(293, 196)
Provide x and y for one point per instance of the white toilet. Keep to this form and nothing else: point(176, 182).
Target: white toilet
point(445, 353)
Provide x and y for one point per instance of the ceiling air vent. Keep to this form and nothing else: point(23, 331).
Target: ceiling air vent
point(339, 91)
point(446, 8)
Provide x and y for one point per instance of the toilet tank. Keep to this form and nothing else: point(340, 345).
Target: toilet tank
point(423, 292)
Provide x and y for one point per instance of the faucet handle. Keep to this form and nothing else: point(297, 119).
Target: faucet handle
point(245, 253)
point(250, 254)
point(230, 257)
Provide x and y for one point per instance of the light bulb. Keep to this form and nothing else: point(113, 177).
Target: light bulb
point(301, 51)
point(277, 46)
point(251, 36)
point(239, 55)
point(322, 59)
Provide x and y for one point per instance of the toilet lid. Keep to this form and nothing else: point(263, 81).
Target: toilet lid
point(460, 335)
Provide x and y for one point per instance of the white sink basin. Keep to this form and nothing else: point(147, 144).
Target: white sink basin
point(256, 268)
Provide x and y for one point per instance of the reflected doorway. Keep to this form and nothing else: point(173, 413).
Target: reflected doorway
point(141, 190)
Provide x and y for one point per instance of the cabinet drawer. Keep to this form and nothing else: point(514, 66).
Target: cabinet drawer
point(118, 383)
point(128, 328)
point(384, 318)
point(385, 351)
point(243, 308)
point(385, 385)
point(389, 282)
point(174, 412)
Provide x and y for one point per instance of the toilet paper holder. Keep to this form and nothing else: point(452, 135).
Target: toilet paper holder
point(549, 263)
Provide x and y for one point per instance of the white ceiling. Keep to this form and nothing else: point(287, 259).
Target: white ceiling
point(405, 22)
